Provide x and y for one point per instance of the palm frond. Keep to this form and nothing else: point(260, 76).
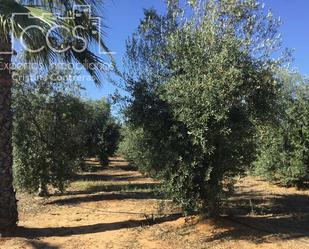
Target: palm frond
point(50, 13)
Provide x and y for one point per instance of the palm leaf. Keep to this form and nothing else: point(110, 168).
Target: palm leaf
point(43, 13)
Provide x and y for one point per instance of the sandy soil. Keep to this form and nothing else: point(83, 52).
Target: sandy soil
point(119, 208)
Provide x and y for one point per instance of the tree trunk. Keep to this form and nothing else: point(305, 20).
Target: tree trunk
point(8, 203)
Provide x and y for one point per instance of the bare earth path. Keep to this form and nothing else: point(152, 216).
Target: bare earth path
point(113, 208)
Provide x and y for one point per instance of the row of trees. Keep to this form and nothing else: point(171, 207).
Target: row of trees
point(55, 131)
point(283, 148)
point(204, 84)
point(207, 101)
point(42, 14)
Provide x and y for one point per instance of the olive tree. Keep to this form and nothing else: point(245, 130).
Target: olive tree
point(200, 82)
point(283, 146)
point(101, 131)
point(48, 134)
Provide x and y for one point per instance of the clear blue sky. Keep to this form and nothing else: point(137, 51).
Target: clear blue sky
point(122, 18)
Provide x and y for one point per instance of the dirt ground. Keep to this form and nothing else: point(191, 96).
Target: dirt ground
point(119, 208)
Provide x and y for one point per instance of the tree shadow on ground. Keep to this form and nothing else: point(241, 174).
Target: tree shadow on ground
point(117, 160)
point(116, 188)
point(276, 204)
point(41, 245)
point(254, 217)
point(257, 229)
point(126, 167)
point(105, 177)
point(33, 233)
point(105, 197)
point(91, 165)
point(120, 164)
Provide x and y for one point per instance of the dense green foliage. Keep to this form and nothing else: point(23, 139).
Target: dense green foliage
point(54, 131)
point(206, 100)
point(199, 87)
point(47, 138)
point(102, 132)
point(283, 148)
point(39, 27)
